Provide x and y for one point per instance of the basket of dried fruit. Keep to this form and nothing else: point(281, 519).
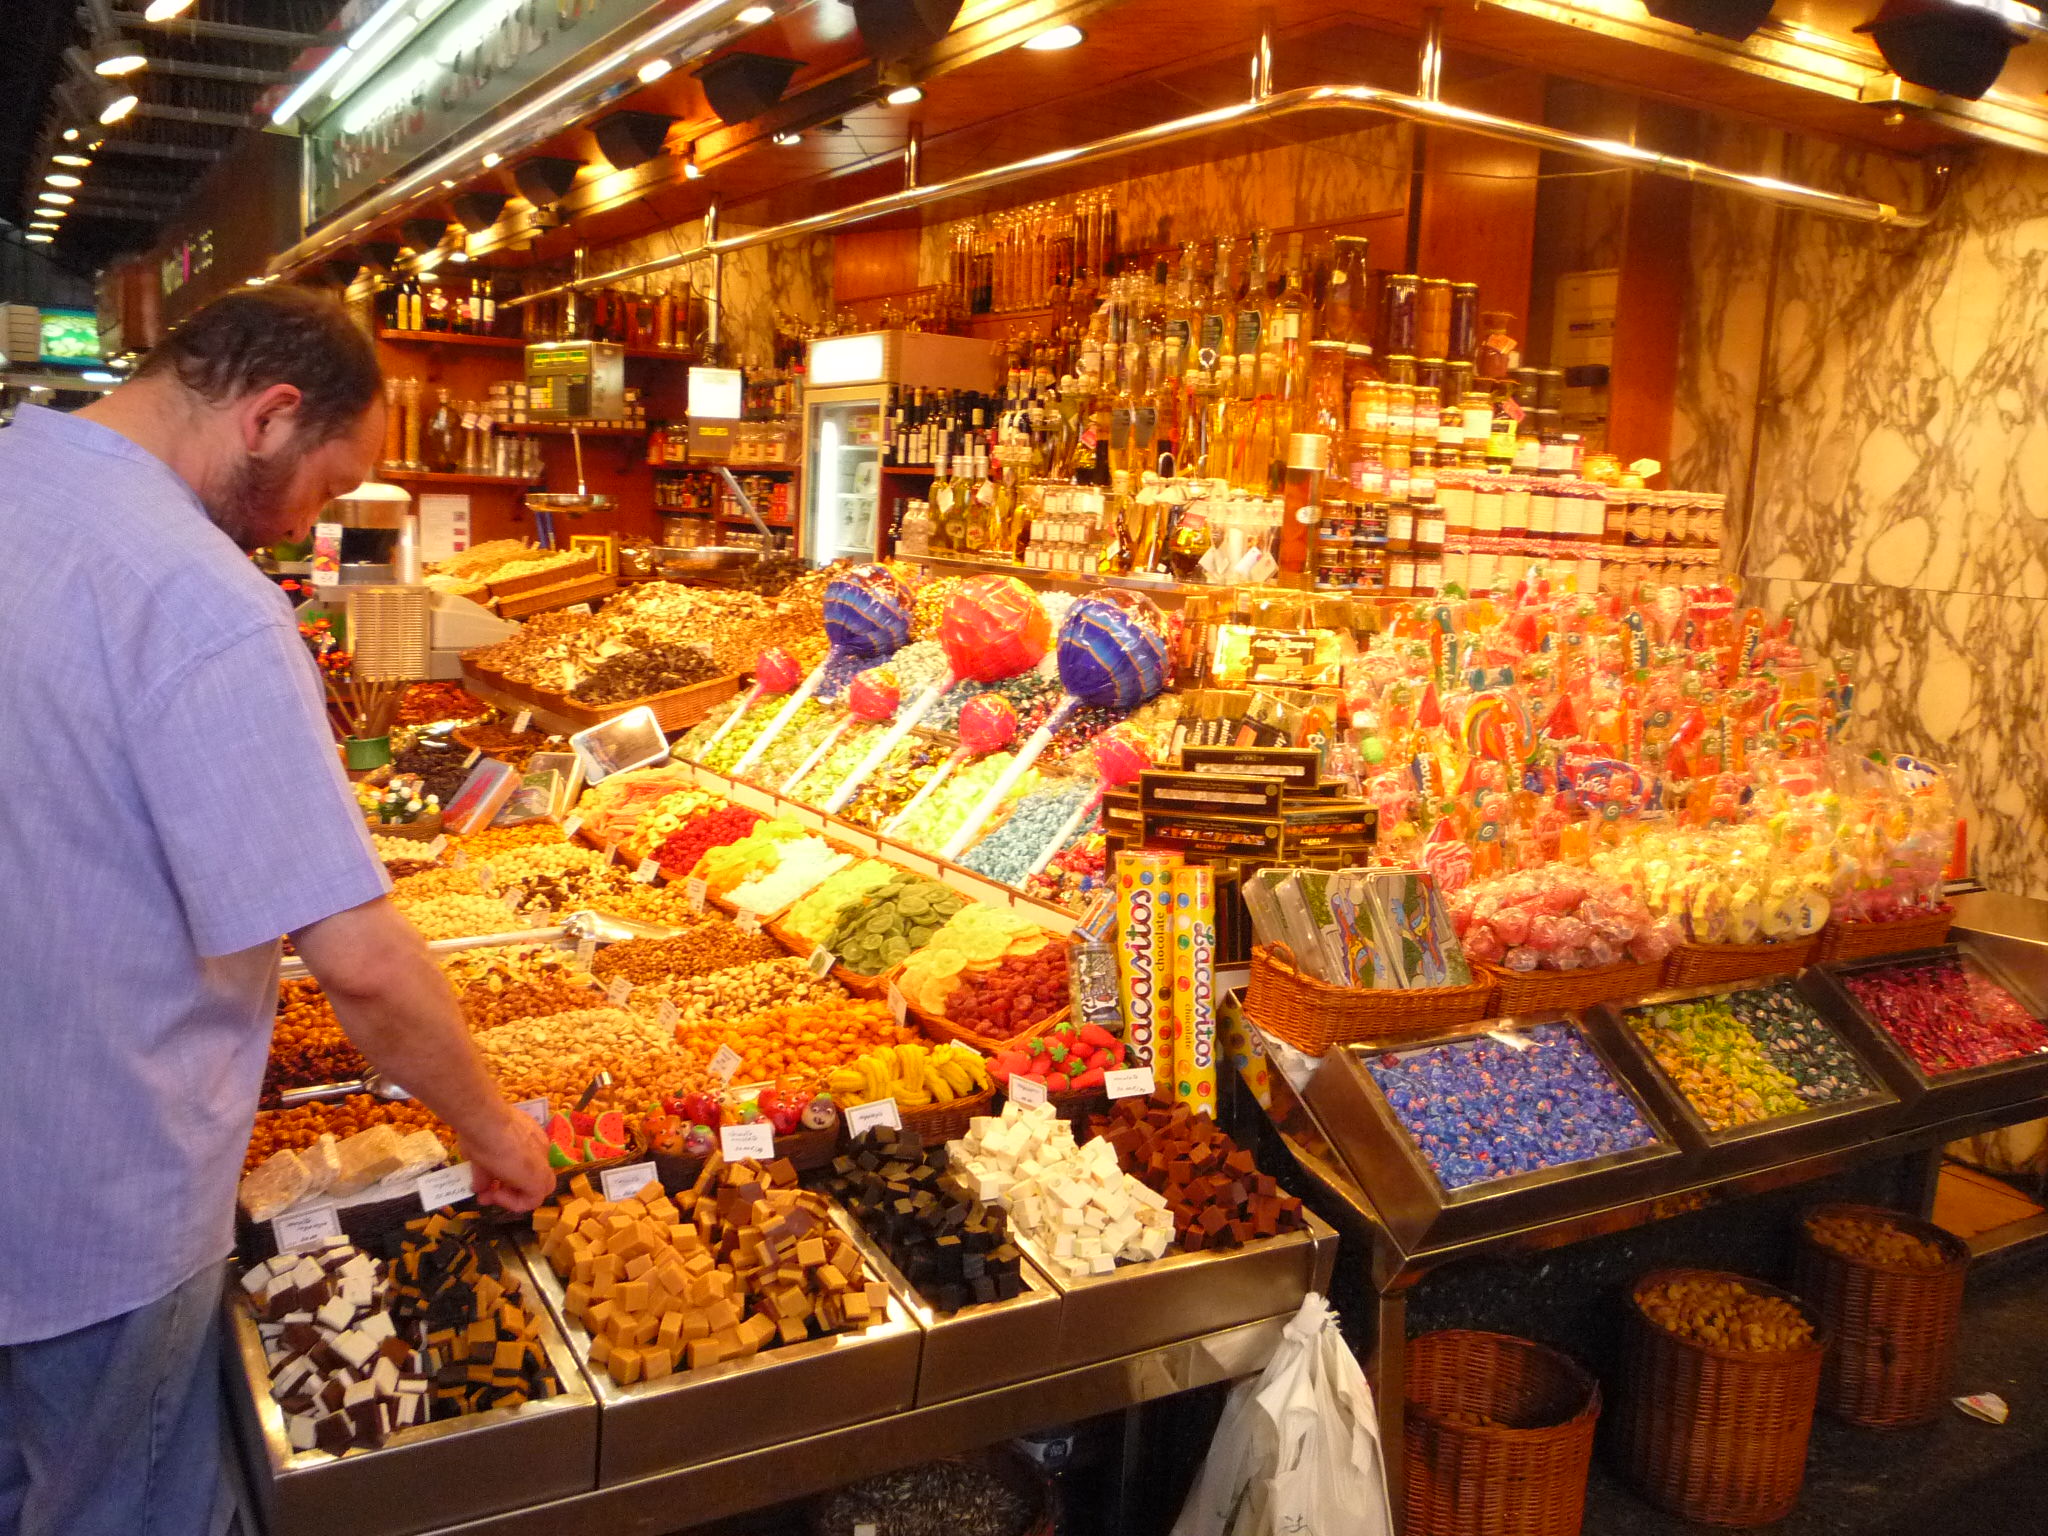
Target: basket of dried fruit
point(1718, 1394)
point(1498, 1435)
point(1891, 1289)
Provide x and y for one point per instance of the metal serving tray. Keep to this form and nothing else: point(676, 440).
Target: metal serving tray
point(1742, 1148)
point(1146, 1306)
point(423, 1478)
point(979, 1348)
point(1419, 1211)
point(781, 1394)
point(1929, 1097)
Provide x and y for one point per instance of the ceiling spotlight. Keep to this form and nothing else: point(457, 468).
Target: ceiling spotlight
point(38, 239)
point(44, 224)
point(164, 10)
point(545, 179)
point(894, 29)
point(70, 135)
point(627, 139)
point(478, 211)
point(1053, 39)
point(81, 161)
point(692, 171)
point(754, 15)
point(654, 69)
point(43, 212)
point(110, 102)
point(788, 137)
point(61, 199)
point(98, 376)
point(59, 179)
point(1956, 47)
point(1732, 19)
point(448, 182)
point(423, 234)
point(458, 255)
point(492, 159)
point(114, 57)
point(740, 86)
point(905, 96)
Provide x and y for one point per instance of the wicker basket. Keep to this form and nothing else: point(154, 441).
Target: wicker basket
point(1569, 991)
point(937, 1123)
point(939, 1027)
point(1312, 1016)
point(1894, 1327)
point(1716, 1435)
point(1522, 1472)
point(1706, 965)
point(1855, 941)
point(423, 828)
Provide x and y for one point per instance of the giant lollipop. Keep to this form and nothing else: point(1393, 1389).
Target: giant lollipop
point(1113, 647)
point(867, 618)
point(775, 671)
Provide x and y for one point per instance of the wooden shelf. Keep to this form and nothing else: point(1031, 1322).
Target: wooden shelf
point(925, 472)
point(563, 429)
point(453, 339)
point(430, 477)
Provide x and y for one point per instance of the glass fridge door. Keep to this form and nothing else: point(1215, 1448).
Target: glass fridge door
point(845, 479)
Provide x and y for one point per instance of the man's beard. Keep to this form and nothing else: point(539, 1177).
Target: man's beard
point(246, 508)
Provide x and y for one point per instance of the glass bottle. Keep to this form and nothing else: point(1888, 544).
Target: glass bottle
point(444, 437)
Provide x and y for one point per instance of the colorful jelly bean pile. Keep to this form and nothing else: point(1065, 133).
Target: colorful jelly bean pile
point(1484, 1109)
point(1008, 853)
point(1746, 1057)
point(1032, 695)
point(1949, 1016)
point(894, 784)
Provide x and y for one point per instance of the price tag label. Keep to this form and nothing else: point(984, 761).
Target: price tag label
point(646, 870)
point(746, 922)
point(898, 1003)
point(445, 1186)
point(437, 847)
point(865, 1528)
point(572, 826)
point(724, 1062)
point(1027, 1092)
point(1129, 1083)
point(586, 951)
point(474, 754)
point(521, 721)
point(624, 1183)
point(309, 1228)
point(1513, 1042)
point(611, 853)
point(617, 993)
point(513, 896)
point(460, 861)
point(668, 1015)
point(863, 1118)
point(693, 893)
point(487, 875)
point(535, 1110)
point(821, 962)
point(743, 1141)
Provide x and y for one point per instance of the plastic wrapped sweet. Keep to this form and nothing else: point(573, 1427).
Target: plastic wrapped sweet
point(776, 671)
point(786, 753)
point(1031, 694)
point(1556, 918)
point(1112, 650)
point(987, 724)
point(1008, 853)
point(845, 755)
point(894, 782)
point(867, 613)
point(874, 694)
point(994, 627)
point(933, 824)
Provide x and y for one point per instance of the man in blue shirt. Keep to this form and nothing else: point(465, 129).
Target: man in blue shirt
point(172, 806)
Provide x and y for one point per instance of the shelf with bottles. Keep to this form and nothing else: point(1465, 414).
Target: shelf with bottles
point(564, 428)
point(440, 477)
point(451, 339)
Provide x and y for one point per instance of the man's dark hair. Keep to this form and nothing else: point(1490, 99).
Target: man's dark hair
point(253, 338)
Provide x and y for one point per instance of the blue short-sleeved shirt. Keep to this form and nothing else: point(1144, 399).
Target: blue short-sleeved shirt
point(170, 804)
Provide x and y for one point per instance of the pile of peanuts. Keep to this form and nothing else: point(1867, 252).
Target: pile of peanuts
point(494, 841)
point(1722, 1312)
point(457, 917)
point(708, 946)
point(436, 880)
point(307, 1046)
point(304, 1124)
point(557, 1058)
point(400, 850)
point(1874, 1240)
point(488, 1006)
point(666, 905)
point(735, 994)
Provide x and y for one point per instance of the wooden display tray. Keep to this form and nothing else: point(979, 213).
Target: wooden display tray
point(542, 599)
point(553, 576)
point(676, 710)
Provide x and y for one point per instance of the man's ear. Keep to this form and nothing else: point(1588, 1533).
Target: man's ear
point(268, 418)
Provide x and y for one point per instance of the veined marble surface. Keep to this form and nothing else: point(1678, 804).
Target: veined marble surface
point(791, 277)
point(1893, 404)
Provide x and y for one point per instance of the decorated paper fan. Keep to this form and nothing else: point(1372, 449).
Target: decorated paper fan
point(988, 723)
point(994, 627)
point(776, 671)
point(866, 616)
point(1112, 651)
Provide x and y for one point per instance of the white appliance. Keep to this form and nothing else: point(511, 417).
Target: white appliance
point(848, 381)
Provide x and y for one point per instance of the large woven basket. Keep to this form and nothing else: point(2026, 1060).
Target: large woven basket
point(1312, 1016)
point(936, 1123)
point(1569, 991)
point(1855, 941)
point(1894, 1327)
point(1716, 1435)
point(1706, 965)
point(1498, 1435)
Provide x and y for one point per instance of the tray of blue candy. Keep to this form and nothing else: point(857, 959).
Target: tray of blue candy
point(1483, 1129)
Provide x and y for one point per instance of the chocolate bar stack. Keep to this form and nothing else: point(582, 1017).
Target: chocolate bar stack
point(360, 1348)
point(954, 1249)
point(1213, 1188)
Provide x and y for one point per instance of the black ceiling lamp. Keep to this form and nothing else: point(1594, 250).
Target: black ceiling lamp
point(740, 86)
point(545, 179)
point(1732, 19)
point(1950, 46)
point(894, 29)
point(339, 272)
point(478, 211)
point(382, 255)
point(423, 234)
point(631, 138)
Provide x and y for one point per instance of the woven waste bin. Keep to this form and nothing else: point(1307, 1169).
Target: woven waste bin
point(1894, 1325)
point(1712, 1434)
point(1498, 1434)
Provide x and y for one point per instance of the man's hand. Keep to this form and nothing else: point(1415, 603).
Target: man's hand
point(511, 1162)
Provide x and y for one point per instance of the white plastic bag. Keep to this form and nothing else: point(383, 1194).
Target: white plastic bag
point(1297, 1452)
